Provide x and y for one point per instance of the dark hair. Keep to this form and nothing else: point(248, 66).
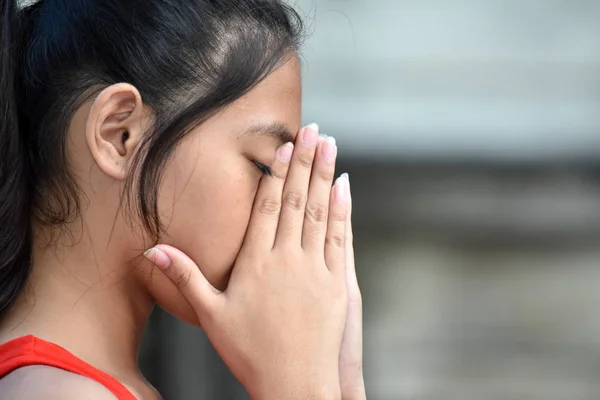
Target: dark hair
point(187, 58)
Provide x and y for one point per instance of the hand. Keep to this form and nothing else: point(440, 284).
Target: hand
point(352, 382)
point(279, 324)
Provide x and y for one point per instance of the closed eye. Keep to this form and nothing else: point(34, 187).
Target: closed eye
point(265, 170)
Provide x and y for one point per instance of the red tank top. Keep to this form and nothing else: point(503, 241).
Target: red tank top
point(30, 350)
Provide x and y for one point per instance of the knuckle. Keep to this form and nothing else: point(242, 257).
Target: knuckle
point(182, 280)
point(269, 206)
point(326, 174)
point(305, 159)
point(280, 172)
point(279, 175)
point(336, 239)
point(294, 200)
point(316, 213)
point(338, 215)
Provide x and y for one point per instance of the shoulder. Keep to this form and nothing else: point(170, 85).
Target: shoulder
point(39, 382)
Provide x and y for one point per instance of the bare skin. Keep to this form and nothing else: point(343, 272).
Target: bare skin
point(98, 285)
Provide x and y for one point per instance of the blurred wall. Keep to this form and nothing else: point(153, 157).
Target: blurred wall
point(431, 79)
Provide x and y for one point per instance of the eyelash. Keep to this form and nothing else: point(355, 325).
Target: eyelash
point(265, 170)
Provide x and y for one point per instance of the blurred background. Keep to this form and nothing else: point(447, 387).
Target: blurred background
point(471, 132)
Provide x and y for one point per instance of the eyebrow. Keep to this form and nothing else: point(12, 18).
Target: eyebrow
point(274, 129)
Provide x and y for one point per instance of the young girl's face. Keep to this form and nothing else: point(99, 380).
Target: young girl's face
point(209, 185)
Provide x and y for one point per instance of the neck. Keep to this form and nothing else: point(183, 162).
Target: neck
point(83, 299)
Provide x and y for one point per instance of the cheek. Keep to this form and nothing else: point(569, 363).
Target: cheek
point(210, 228)
point(206, 209)
point(207, 214)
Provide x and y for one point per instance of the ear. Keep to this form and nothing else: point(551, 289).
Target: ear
point(114, 128)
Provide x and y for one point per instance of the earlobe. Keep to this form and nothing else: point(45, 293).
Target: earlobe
point(114, 129)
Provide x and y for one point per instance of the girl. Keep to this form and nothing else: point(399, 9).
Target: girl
point(147, 158)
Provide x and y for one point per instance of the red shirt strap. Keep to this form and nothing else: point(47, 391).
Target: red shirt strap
point(30, 350)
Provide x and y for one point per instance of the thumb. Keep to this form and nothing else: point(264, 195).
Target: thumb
point(187, 277)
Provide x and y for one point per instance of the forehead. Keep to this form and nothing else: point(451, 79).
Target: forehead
point(275, 101)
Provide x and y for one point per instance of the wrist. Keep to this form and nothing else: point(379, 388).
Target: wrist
point(300, 391)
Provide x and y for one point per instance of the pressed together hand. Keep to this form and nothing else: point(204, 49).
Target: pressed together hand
point(281, 325)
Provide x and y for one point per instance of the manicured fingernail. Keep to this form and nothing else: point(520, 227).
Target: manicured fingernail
point(310, 135)
point(158, 258)
point(346, 177)
point(329, 150)
point(284, 153)
point(340, 190)
point(323, 136)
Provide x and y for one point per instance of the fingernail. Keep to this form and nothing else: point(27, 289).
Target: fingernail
point(310, 136)
point(346, 177)
point(158, 258)
point(284, 153)
point(323, 136)
point(340, 190)
point(329, 150)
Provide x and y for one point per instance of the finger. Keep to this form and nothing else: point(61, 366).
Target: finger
point(187, 277)
point(317, 206)
point(354, 295)
point(295, 190)
point(351, 356)
point(354, 317)
point(335, 238)
point(264, 219)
